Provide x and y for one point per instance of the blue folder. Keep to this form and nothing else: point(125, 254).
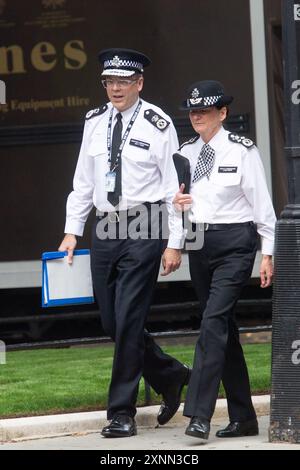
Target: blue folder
point(65, 284)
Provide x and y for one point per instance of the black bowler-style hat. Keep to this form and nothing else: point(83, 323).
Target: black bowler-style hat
point(122, 62)
point(205, 94)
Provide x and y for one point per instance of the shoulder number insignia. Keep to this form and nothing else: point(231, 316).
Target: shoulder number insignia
point(156, 120)
point(248, 143)
point(96, 112)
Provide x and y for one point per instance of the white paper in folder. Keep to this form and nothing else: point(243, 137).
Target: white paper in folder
point(66, 284)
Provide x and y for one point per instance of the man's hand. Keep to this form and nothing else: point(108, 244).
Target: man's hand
point(266, 271)
point(171, 260)
point(182, 202)
point(68, 244)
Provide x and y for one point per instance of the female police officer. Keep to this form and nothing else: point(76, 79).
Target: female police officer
point(229, 200)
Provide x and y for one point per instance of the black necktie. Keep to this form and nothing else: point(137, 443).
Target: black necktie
point(205, 163)
point(113, 197)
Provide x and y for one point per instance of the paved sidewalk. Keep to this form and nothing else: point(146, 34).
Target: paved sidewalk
point(74, 423)
point(164, 438)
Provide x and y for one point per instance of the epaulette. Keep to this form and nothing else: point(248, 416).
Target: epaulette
point(191, 141)
point(239, 139)
point(156, 120)
point(96, 112)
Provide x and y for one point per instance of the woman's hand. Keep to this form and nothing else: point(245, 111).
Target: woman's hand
point(182, 202)
point(266, 271)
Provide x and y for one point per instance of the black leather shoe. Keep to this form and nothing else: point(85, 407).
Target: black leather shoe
point(171, 397)
point(239, 429)
point(120, 426)
point(198, 428)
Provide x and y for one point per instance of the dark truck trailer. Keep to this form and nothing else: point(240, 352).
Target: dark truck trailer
point(48, 62)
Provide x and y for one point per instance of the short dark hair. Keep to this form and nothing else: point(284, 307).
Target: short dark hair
point(227, 109)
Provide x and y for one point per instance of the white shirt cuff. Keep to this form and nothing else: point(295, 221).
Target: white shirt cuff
point(175, 242)
point(75, 227)
point(267, 246)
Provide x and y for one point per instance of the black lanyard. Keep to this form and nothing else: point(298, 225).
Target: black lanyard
point(124, 138)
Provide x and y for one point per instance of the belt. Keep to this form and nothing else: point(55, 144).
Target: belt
point(115, 216)
point(204, 226)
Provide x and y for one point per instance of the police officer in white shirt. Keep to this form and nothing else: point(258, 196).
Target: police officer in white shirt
point(125, 163)
point(229, 201)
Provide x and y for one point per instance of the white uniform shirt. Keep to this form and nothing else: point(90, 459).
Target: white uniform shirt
point(148, 174)
point(236, 190)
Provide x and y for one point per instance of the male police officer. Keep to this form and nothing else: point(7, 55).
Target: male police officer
point(125, 162)
point(230, 202)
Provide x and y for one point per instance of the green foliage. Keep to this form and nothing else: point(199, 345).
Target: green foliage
point(76, 379)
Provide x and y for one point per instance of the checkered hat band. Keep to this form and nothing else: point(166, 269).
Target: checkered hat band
point(207, 101)
point(123, 63)
point(205, 163)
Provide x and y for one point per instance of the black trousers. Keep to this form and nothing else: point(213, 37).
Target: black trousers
point(124, 275)
point(218, 272)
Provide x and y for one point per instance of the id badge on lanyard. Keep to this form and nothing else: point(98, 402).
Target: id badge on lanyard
point(110, 177)
point(110, 181)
